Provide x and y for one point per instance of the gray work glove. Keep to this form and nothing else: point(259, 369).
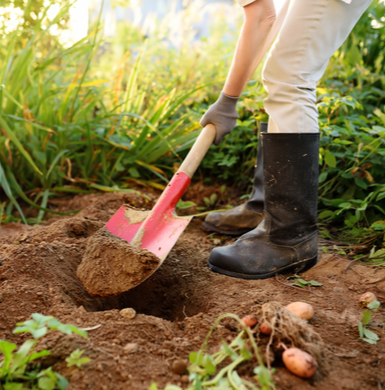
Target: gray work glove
point(223, 115)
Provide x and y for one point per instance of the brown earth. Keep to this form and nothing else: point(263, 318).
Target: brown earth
point(176, 306)
point(112, 266)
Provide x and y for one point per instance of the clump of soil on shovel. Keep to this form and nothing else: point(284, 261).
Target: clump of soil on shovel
point(112, 266)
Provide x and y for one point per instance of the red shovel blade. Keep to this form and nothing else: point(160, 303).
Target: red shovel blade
point(157, 230)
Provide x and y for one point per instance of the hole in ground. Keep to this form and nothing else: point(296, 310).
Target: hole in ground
point(174, 291)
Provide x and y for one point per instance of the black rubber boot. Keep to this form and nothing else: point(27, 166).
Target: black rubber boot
point(247, 216)
point(287, 238)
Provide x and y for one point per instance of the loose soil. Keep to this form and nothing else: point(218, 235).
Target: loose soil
point(112, 266)
point(176, 306)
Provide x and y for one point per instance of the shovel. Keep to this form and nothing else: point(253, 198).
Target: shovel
point(159, 229)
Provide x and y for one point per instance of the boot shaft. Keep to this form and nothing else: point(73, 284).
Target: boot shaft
point(291, 171)
point(256, 201)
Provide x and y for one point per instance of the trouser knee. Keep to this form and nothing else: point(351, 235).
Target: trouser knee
point(291, 101)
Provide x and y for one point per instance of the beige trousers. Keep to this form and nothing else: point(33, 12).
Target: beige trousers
point(312, 31)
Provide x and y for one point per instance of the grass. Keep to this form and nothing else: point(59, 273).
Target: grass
point(68, 125)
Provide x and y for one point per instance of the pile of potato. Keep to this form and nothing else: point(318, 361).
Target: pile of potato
point(296, 360)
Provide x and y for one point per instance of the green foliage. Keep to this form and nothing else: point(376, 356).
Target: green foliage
point(299, 282)
point(205, 372)
point(351, 103)
point(25, 15)
point(19, 370)
point(76, 359)
point(67, 126)
point(73, 122)
point(366, 334)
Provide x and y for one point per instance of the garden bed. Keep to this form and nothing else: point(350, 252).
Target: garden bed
point(176, 306)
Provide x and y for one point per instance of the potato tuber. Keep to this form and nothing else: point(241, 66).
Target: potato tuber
point(299, 362)
point(302, 310)
point(249, 321)
point(367, 298)
point(265, 328)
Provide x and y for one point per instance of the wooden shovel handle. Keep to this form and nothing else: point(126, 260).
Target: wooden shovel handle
point(198, 151)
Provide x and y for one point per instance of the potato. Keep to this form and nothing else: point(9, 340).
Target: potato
point(299, 362)
point(367, 298)
point(249, 320)
point(179, 367)
point(302, 310)
point(265, 328)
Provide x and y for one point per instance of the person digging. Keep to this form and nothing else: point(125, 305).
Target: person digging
point(278, 225)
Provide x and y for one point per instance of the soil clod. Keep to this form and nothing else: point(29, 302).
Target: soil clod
point(112, 266)
point(128, 313)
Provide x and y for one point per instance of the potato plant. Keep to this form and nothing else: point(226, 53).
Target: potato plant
point(20, 369)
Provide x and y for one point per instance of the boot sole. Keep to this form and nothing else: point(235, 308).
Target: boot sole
point(226, 232)
point(297, 267)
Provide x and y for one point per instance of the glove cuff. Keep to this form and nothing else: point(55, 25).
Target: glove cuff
point(228, 101)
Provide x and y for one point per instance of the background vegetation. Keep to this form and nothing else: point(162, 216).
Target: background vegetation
point(72, 122)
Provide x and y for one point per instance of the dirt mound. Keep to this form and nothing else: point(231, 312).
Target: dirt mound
point(176, 306)
point(112, 266)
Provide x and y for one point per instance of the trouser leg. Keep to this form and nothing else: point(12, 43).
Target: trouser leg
point(311, 33)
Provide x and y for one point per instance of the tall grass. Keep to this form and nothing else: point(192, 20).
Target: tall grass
point(69, 125)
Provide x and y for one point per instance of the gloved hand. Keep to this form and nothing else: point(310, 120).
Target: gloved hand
point(223, 115)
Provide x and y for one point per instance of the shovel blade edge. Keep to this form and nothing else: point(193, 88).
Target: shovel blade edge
point(127, 223)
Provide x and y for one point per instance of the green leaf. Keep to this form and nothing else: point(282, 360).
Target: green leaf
point(134, 172)
point(305, 282)
point(366, 316)
point(370, 335)
point(38, 355)
point(62, 382)
point(208, 364)
point(330, 159)
point(236, 378)
point(230, 352)
point(345, 205)
point(325, 214)
point(20, 358)
point(361, 329)
point(322, 177)
point(7, 189)
point(153, 386)
point(18, 144)
point(370, 341)
point(246, 353)
point(374, 305)
point(66, 328)
point(380, 196)
point(379, 253)
point(14, 386)
point(193, 358)
point(185, 205)
point(75, 359)
point(46, 383)
point(315, 284)
point(360, 183)
point(37, 333)
point(6, 349)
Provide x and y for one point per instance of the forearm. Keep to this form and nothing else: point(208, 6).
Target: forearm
point(257, 34)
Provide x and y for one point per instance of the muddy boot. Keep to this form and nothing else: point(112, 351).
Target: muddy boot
point(247, 216)
point(287, 238)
